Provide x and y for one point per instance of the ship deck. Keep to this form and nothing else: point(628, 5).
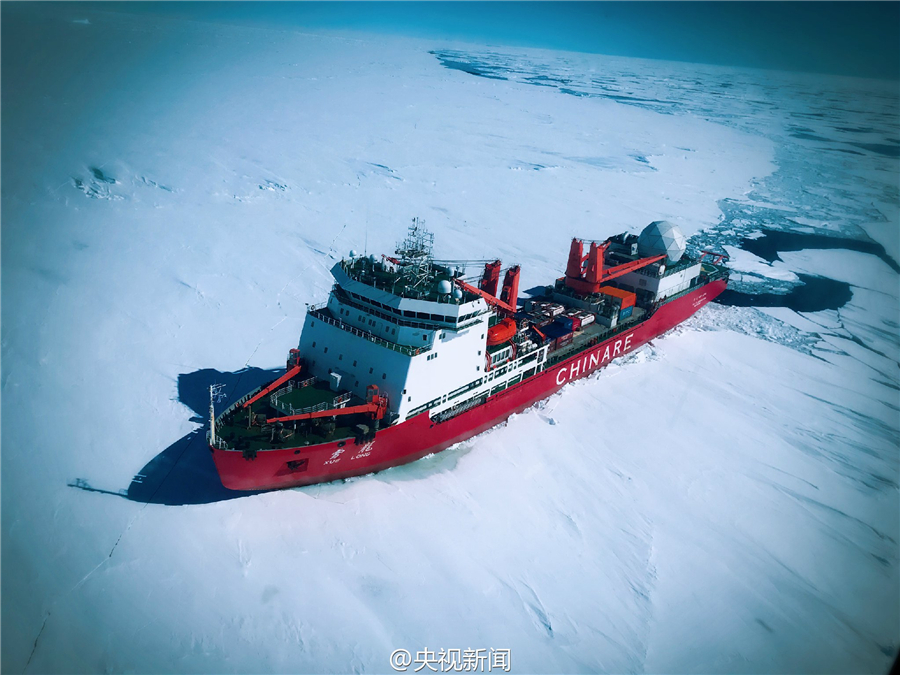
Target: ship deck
point(236, 430)
point(594, 333)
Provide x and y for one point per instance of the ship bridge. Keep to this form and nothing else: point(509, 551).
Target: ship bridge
point(400, 322)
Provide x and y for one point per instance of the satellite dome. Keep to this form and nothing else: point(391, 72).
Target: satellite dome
point(353, 253)
point(372, 258)
point(662, 238)
point(457, 293)
point(444, 287)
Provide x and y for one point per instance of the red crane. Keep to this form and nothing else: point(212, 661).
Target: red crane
point(585, 273)
point(375, 405)
point(294, 368)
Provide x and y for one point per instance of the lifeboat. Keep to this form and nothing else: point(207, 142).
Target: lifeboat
point(501, 332)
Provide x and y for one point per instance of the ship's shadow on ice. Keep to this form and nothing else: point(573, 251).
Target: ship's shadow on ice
point(184, 473)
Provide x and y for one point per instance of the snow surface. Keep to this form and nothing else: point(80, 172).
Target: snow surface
point(723, 500)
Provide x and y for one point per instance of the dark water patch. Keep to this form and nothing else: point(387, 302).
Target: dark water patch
point(102, 177)
point(529, 80)
point(547, 80)
point(879, 148)
point(575, 92)
point(772, 242)
point(813, 294)
point(765, 625)
point(856, 130)
point(862, 344)
point(845, 150)
point(184, 473)
point(634, 99)
point(472, 68)
point(810, 137)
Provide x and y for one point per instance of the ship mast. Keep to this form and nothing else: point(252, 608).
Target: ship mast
point(215, 394)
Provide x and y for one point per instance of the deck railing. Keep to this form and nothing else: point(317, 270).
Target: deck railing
point(338, 402)
point(273, 398)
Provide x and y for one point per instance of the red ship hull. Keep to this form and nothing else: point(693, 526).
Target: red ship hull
point(419, 436)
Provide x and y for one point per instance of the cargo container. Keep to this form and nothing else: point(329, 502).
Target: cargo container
point(625, 298)
point(586, 319)
point(626, 312)
point(555, 309)
point(570, 323)
point(563, 340)
point(610, 321)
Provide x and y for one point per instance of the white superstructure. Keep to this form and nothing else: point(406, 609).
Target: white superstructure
point(422, 343)
point(430, 341)
point(662, 281)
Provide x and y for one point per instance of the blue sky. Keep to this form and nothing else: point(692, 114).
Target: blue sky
point(848, 38)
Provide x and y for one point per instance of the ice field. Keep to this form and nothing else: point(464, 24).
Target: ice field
point(723, 500)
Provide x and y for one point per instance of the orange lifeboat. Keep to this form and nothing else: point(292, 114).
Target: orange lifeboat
point(501, 332)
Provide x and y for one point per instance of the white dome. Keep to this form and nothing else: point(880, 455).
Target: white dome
point(353, 253)
point(457, 293)
point(443, 287)
point(662, 237)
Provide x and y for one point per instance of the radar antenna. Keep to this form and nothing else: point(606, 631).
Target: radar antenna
point(416, 257)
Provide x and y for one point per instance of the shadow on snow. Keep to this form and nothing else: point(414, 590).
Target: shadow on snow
point(184, 473)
